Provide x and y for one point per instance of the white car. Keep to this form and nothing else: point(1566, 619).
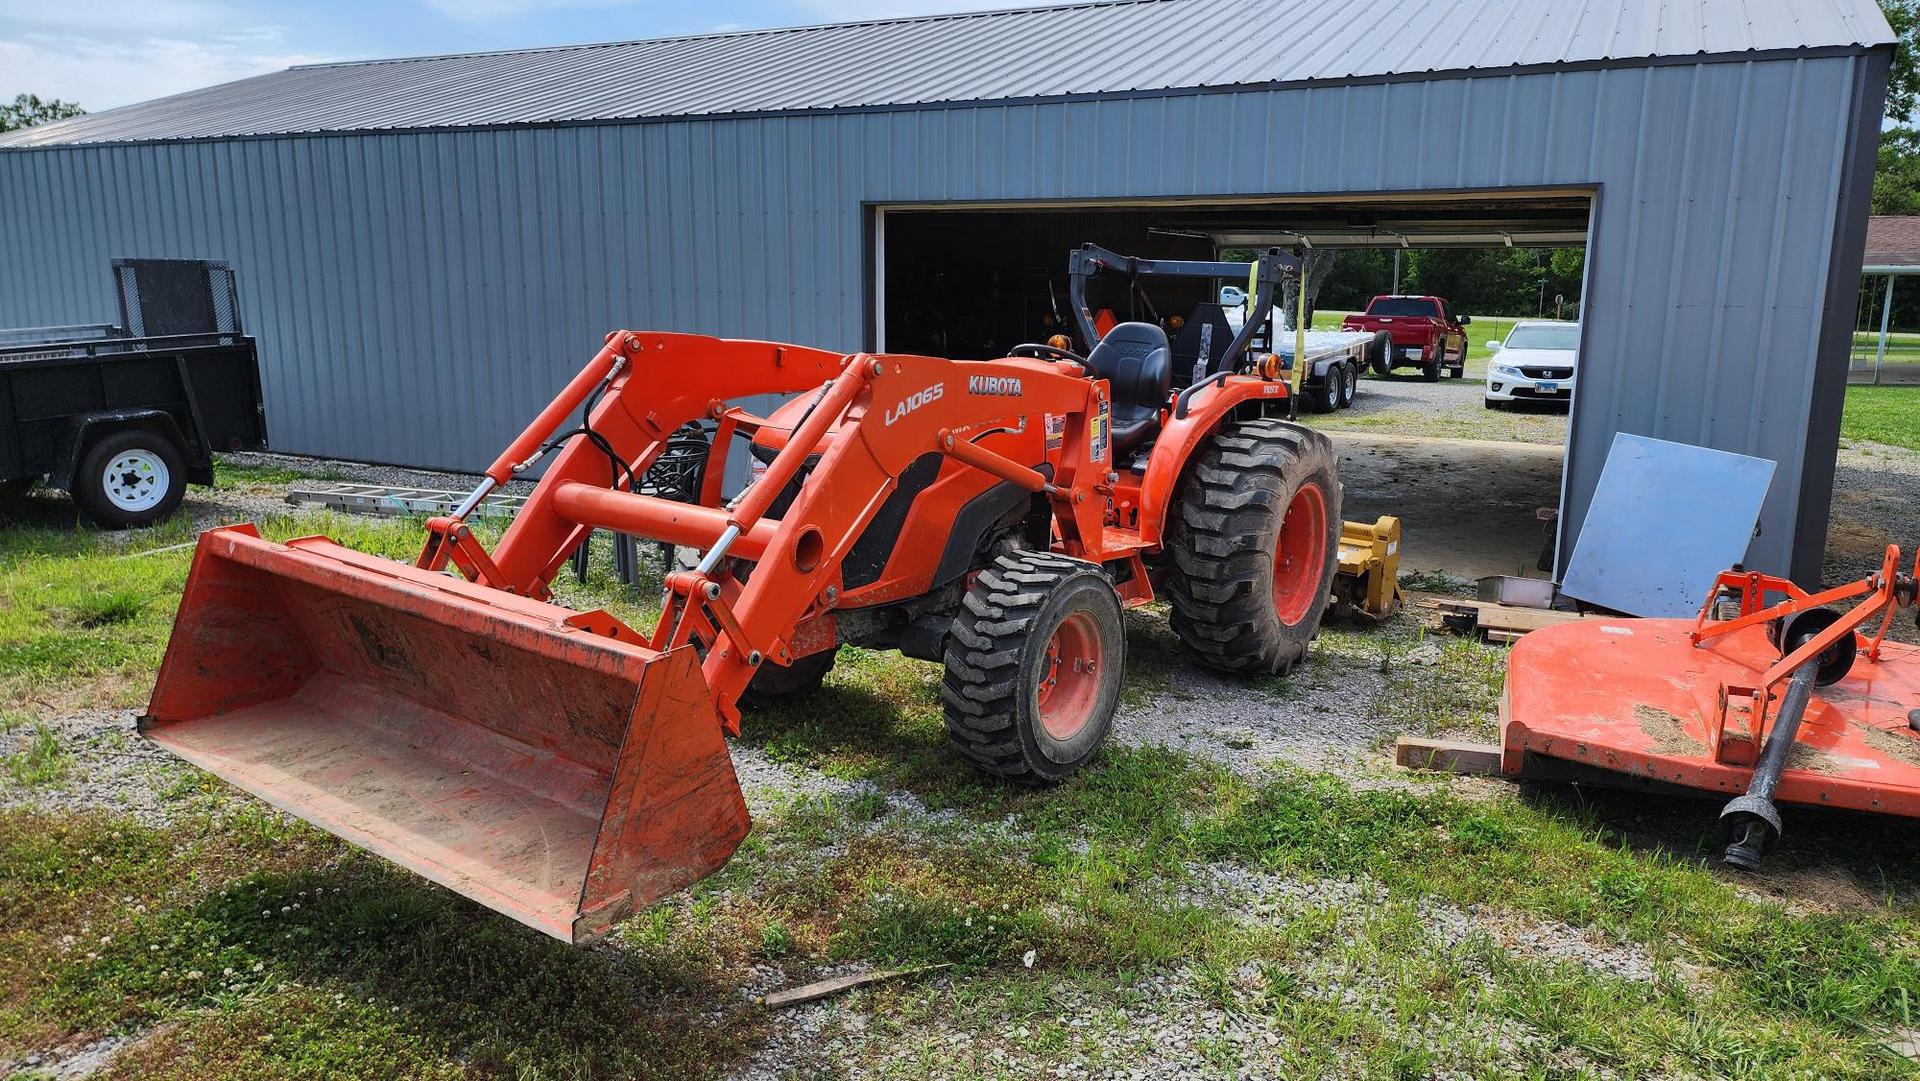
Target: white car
point(1535, 364)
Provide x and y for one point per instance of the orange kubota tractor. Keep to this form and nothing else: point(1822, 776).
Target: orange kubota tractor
point(562, 767)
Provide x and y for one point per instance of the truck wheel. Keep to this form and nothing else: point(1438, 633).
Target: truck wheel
point(1325, 398)
point(1255, 540)
point(130, 478)
point(1349, 385)
point(773, 683)
point(1034, 666)
point(1430, 372)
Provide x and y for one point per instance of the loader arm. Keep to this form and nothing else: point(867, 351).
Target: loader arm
point(873, 419)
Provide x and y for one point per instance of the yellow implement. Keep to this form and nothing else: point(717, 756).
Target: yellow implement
point(1368, 582)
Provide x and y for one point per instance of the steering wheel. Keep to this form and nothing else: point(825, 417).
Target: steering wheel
point(1045, 352)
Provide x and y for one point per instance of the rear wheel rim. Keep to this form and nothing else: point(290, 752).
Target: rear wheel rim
point(1070, 676)
point(135, 480)
point(1299, 554)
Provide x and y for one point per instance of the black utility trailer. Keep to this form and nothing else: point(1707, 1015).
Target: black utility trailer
point(124, 416)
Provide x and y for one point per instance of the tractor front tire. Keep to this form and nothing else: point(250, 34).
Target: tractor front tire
point(1255, 542)
point(772, 683)
point(1034, 664)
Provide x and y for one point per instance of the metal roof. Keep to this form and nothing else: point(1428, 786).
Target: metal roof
point(1113, 47)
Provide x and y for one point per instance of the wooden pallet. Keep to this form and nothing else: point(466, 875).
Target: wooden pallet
point(399, 502)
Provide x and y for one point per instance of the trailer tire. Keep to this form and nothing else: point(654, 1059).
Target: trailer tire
point(130, 478)
point(1019, 703)
point(1325, 398)
point(1350, 385)
point(1255, 542)
point(773, 683)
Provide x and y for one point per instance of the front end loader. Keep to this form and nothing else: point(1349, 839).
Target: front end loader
point(564, 768)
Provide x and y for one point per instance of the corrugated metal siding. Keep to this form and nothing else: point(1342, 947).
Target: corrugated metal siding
point(416, 295)
point(1107, 48)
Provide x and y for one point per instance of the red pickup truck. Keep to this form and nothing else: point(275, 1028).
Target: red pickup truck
point(1425, 332)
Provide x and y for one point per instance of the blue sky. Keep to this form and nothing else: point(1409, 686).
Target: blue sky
point(103, 53)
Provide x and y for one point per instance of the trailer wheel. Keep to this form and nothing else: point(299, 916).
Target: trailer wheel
point(1350, 385)
point(130, 478)
point(1325, 398)
point(1255, 541)
point(1034, 665)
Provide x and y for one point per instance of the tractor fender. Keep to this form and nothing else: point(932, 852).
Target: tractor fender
point(83, 429)
point(1180, 437)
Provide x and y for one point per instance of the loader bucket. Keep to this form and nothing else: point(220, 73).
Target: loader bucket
point(483, 740)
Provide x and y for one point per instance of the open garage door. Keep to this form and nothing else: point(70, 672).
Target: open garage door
point(972, 281)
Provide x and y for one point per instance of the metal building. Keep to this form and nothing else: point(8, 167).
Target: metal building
point(426, 247)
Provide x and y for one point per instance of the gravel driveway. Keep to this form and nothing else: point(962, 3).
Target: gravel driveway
point(1404, 404)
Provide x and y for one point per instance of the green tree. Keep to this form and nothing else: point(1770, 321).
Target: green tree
point(1896, 177)
point(28, 110)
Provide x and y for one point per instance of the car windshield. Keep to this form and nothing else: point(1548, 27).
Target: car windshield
point(1402, 306)
point(1562, 337)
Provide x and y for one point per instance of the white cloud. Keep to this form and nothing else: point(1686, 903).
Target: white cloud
point(485, 10)
point(101, 72)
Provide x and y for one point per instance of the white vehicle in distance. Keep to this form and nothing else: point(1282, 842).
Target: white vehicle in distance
point(1232, 296)
point(1535, 364)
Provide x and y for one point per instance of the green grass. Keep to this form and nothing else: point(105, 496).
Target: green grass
point(82, 610)
point(43, 761)
point(1889, 415)
point(249, 945)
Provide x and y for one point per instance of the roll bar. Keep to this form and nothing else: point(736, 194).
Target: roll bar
point(1272, 267)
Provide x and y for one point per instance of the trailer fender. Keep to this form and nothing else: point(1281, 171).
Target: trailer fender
point(83, 429)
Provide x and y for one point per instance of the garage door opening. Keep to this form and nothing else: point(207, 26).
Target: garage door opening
point(1469, 483)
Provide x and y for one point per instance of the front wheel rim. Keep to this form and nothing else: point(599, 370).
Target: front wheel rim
point(1299, 554)
point(1070, 677)
point(135, 480)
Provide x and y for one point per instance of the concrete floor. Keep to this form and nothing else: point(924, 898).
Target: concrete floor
point(1466, 506)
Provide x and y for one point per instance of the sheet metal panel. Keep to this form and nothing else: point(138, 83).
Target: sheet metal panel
point(415, 293)
point(1095, 48)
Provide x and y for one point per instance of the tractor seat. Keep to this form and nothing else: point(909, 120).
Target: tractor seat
point(1134, 360)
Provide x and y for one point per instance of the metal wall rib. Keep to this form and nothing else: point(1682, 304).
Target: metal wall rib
point(416, 295)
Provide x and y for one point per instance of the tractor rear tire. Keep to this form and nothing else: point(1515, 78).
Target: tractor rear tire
point(774, 683)
point(1255, 542)
point(1034, 664)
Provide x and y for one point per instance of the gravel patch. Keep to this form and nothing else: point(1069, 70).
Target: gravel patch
point(1321, 717)
point(1404, 404)
point(1170, 1023)
point(69, 1063)
point(1259, 898)
point(324, 469)
point(111, 769)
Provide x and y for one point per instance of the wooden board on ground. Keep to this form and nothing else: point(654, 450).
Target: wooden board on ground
point(1448, 756)
point(1499, 622)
